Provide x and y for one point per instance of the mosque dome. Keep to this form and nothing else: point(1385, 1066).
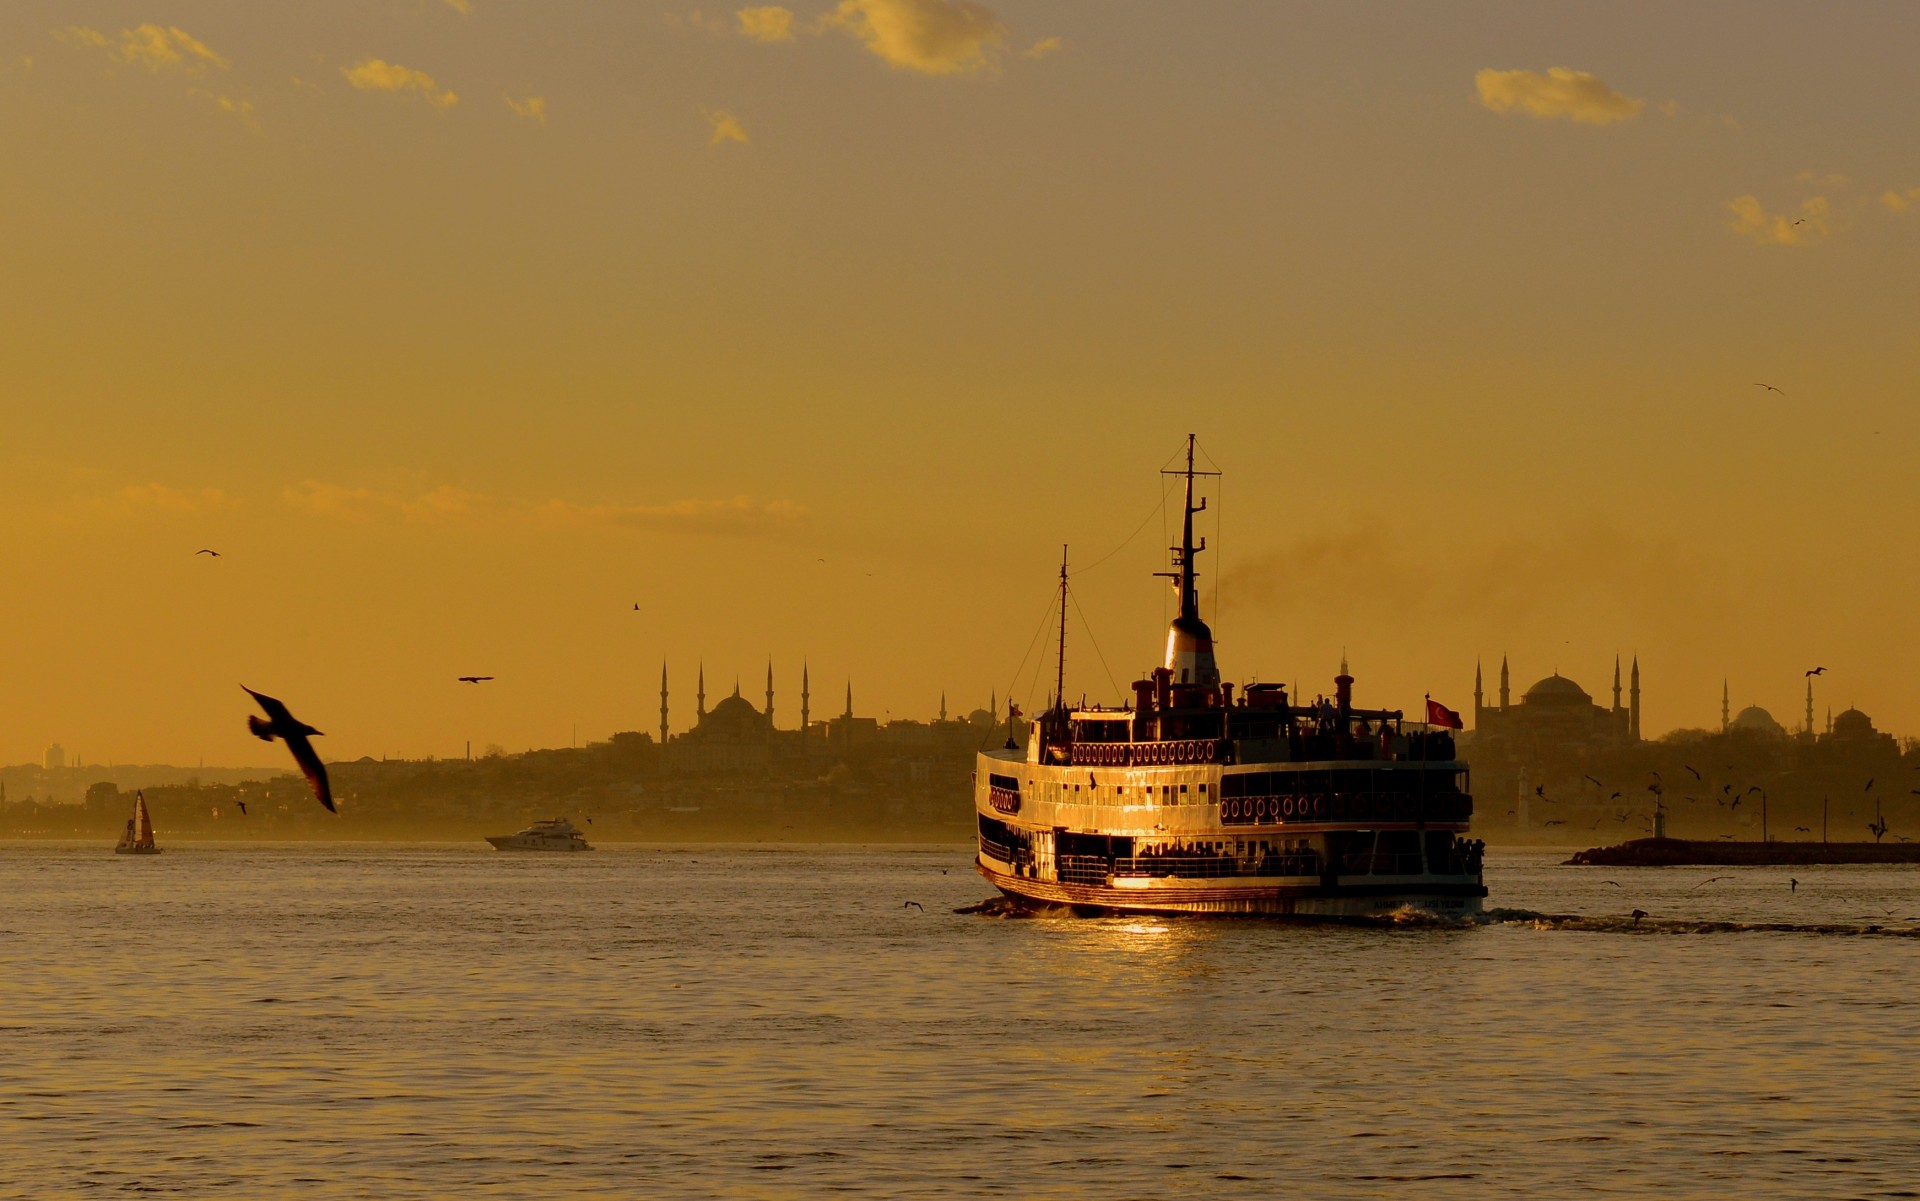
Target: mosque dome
point(1853, 724)
point(1758, 720)
point(1557, 689)
point(734, 714)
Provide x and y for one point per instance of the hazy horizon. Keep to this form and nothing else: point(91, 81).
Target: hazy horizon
point(817, 338)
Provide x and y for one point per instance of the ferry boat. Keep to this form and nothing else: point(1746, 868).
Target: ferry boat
point(137, 838)
point(550, 834)
point(1204, 798)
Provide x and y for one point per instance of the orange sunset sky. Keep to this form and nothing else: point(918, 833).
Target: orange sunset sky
point(461, 327)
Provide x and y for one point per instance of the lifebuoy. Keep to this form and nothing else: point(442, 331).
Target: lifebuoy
point(1286, 807)
point(1260, 809)
point(1320, 806)
point(1339, 804)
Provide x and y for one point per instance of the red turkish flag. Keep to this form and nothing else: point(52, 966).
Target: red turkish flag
point(1439, 715)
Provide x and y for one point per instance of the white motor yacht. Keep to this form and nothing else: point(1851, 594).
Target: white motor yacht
point(553, 834)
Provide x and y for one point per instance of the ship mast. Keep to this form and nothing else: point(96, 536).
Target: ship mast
point(1189, 641)
point(1060, 663)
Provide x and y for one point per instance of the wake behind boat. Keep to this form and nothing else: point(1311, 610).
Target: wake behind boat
point(1195, 800)
point(137, 839)
point(552, 834)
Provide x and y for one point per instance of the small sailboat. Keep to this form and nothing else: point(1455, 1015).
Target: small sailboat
point(138, 837)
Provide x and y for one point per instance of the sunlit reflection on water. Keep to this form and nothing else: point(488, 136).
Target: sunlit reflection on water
point(438, 1021)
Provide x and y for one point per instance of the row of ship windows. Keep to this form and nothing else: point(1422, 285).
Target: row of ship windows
point(1010, 784)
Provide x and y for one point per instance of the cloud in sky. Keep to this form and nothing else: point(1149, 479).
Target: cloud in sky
point(726, 128)
point(1898, 201)
point(766, 23)
point(533, 108)
point(378, 75)
point(463, 7)
point(172, 500)
point(1751, 220)
point(155, 47)
point(934, 37)
point(1043, 47)
point(740, 517)
point(317, 498)
point(1559, 93)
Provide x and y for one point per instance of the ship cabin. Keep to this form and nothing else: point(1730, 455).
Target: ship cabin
point(1173, 723)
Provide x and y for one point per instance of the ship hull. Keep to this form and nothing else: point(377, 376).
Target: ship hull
point(136, 850)
point(1302, 898)
point(513, 842)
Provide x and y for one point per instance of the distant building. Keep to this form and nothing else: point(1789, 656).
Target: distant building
point(1554, 718)
point(56, 758)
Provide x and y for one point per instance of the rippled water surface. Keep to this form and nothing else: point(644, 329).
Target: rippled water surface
point(435, 1021)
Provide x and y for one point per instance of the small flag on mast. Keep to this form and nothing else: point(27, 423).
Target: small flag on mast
point(1439, 715)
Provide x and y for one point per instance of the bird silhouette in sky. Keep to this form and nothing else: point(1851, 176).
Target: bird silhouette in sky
point(204, 551)
point(295, 733)
point(243, 807)
point(1594, 782)
point(1614, 797)
point(1711, 880)
point(1818, 671)
point(1770, 388)
point(474, 679)
point(1793, 884)
point(1869, 787)
point(1637, 915)
point(1689, 767)
point(1556, 822)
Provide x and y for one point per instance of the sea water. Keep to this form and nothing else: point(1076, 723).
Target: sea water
point(438, 1021)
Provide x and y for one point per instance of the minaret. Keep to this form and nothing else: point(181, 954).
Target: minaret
point(1726, 709)
point(849, 712)
point(663, 702)
point(1503, 683)
point(1189, 641)
point(943, 704)
point(700, 694)
point(769, 694)
point(1809, 707)
point(1477, 695)
point(804, 698)
point(1633, 703)
point(1616, 682)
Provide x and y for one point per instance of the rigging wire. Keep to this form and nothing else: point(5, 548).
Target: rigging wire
point(1159, 507)
point(1117, 690)
point(1015, 683)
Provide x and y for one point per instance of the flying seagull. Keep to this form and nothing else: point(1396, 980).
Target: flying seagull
point(1770, 388)
point(1690, 767)
point(1595, 783)
point(1710, 880)
point(1637, 915)
point(1818, 671)
point(204, 551)
point(474, 679)
point(295, 733)
point(243, 807)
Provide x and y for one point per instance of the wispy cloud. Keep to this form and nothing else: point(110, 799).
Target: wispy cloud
point(1898, 201)
point(1560, 93)
point(155, 47)
point(463, 7)
point(1751, 220)
point(378, 75)
point(318, 498)
point(726, 128)
point(533, 108)
point(741, 517)
point(171, 500)
point(766, 23)
point(1044, 47)
point(933, 37)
